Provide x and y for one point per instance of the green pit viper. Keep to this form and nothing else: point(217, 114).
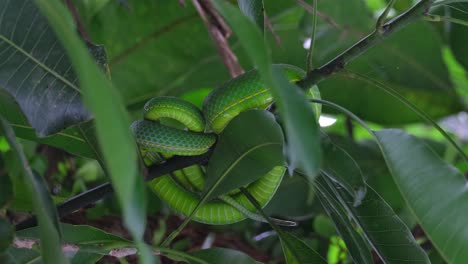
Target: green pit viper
point(158, 142)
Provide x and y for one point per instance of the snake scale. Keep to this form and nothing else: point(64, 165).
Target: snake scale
point(194, 133)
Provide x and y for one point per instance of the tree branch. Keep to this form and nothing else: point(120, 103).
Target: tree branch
point(90, 197)
point(383, 32)
point(219, 32)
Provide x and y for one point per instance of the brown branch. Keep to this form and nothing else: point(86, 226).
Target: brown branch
point(76, 17)
point(326, 18)
point(219, 32)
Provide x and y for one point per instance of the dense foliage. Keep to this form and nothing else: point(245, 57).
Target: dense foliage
point(373, 137)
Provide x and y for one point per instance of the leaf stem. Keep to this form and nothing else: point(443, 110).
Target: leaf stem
point(436, 18)
point(310, 52)
point(338, 63)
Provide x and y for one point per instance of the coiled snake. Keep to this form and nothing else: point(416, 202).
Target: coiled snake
point(159, 142)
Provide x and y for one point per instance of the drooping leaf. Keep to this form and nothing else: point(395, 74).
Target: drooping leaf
point(44, 208)
point(382, 228)
point(298, 252)
point(223, 255)
point(72, 139)
point(420, 174)
point(253, 9)
point(298, 116)
point(355, 243)
point(340, 166)
point(35, 70)
point(248, 148)
point(112, 124)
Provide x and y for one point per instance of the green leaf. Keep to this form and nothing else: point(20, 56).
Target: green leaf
point(112, 124)
point(6, 188)
point(6, 234)
point(20, 255)
point(355, 243)
point(340, 166)
point(242, 155)
point(298, 116)
point(223, 255)
point(434, 191)
point(92, 243)
point(43, 205)
point(405, 67)
point(458, 34)
point(72, 139)
point(81, 235)
point(298, 252)
point(382, 228)
point(253, 9)
point(35, 70)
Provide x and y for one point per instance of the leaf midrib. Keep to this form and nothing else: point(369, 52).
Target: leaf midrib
point(236, 161)
point(25, 53)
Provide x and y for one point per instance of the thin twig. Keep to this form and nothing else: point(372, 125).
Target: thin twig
point(312, 37)
point(381, 20)
point(436, 18)
point(326, 18)
point(219, 32)
point(339, 62)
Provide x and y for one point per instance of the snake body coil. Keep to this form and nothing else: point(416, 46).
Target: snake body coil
point(158, 142)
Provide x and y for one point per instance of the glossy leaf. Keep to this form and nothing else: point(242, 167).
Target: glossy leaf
point(36, 71)
point(253, 9)
point(382, 228)
point(298, 252)
point(242, 155)
point(222, 255)
point(355, 243)
point(112, 123)
point(419, 174)
point(72, 139)
point(44, 208)
point(298, 116)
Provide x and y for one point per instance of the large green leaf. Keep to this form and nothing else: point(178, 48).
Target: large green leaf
point(44, 208)
point(112, 124)
point(435, 191)
point(35, 70)
point(355, 243)
point(223, 255)
point(422, 79)
point(340, 166)
point(382, 228)
point(298, 116)
point(249, 147)
point(73, 139)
